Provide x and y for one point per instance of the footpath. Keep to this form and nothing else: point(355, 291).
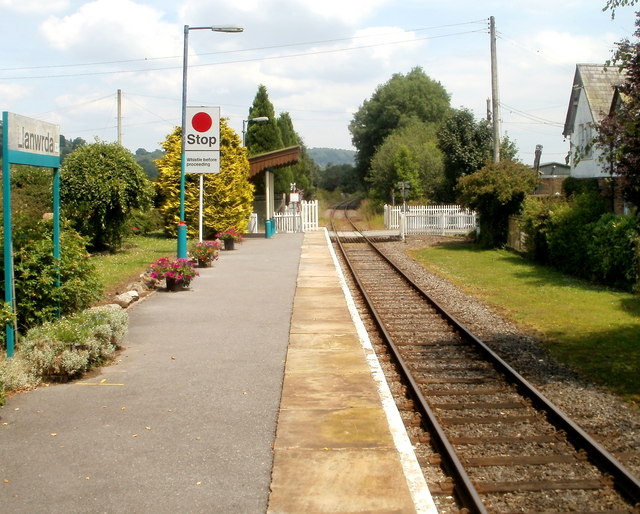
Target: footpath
point(184, 421)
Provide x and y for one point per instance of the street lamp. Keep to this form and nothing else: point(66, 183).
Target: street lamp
point(182, 226)
point(245, 124)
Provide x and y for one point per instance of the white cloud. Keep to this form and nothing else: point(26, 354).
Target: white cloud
point(305, 52)
point(12, 92)
point(351, 10)
point(565, 48)
point(116, 28)
point(35, 6)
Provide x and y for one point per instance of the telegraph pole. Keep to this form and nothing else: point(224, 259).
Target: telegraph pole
point(495, 98)
point(119, 116)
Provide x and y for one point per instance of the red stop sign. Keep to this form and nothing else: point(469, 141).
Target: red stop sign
point(201, 122)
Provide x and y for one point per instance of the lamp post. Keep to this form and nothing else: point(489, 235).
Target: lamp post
point(245, 124)
point(182, 226)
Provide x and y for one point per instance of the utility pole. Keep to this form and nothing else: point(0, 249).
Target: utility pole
point(119, 116)
point(495, 98)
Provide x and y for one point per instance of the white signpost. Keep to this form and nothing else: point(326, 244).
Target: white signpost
point(202, 140)
point(202, 147)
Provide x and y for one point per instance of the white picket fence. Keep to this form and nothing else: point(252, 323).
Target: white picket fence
point(430, 219)
point(299, 217)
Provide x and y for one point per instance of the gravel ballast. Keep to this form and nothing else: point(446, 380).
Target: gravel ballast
point(612, 422)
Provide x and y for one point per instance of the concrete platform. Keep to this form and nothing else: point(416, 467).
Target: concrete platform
point(340, 445)
point(184, 421)
point(255, 390)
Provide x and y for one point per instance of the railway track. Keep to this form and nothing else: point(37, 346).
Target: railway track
point(503, 447)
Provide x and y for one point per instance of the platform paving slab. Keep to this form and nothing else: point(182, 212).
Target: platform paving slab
point(334, 451)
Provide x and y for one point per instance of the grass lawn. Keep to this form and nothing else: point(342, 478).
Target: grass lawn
point(594, 330)
point(137, 254)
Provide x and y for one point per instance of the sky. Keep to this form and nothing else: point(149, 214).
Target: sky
point(63, 61)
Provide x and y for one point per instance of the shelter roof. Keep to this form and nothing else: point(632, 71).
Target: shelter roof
point(273, 160)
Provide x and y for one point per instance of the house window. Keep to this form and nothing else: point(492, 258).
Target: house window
point(585, 140)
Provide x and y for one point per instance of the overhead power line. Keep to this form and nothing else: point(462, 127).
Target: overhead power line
point(272, 47)
point(256, 59)
point(536, 119)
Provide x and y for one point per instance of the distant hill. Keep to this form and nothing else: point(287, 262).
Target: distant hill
point(325, 156)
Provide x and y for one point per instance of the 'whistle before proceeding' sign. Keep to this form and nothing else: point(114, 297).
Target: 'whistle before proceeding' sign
point(202, 140)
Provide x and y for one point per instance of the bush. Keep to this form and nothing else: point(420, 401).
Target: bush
point(570, 233)
point(101, 184)
point(64, 348)
point(67, 347)
point(572, 186)
point(144, 222)
point(612, 251)
point(496, 192)
point(15, 374)
point(579, 238)
point(535, 222)
point(37, 296)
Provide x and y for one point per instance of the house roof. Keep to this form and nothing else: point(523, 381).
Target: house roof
point(273, 160)
point(598, 83)
point(554, 168)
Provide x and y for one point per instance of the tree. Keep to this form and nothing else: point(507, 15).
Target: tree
point(617, 133)
point(303, 171)
point(67, 146)
point(228, 195)
point(338, 176)
point(467, 145)
point(100, 184)
point(392, 105)
point(614, 4)
point(147, 160)
point(420, 142)
point(262, 136)
point(496, 192)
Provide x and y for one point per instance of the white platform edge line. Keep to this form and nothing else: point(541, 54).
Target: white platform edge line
point(420, 493)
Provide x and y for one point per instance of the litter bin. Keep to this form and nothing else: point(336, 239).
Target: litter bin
point(267, 228)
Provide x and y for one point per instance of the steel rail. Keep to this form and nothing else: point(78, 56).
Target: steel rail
point(624, 480)
point(464, 488)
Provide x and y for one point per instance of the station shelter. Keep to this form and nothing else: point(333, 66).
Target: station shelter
point(265, 164)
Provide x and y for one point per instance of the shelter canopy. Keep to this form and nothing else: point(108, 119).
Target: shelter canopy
point(273, 160)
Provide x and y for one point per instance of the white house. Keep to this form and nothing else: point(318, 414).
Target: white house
point(591, 96)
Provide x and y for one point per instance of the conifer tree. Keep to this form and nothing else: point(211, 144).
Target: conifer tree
point(264, 136)
point(228, 195)
point(288, 133)
point(303, 172)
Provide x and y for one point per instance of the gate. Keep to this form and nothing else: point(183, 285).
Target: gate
point(430, 219)
point(299, 217)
